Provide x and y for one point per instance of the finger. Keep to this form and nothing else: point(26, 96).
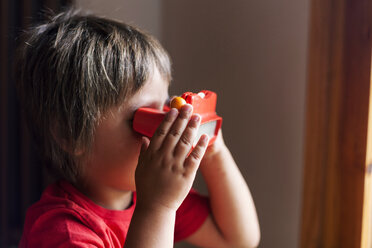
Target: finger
point(192, 162)
point(177, 128)
point(187, 139)
point(163, 129)
point(144, 146)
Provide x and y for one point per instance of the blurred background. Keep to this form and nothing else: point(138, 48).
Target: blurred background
point(252, 53)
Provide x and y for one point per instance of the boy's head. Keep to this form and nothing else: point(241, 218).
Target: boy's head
point(74, 69)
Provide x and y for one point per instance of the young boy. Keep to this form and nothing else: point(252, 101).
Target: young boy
point(82, 79)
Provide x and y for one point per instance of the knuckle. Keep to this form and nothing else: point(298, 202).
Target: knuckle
point(160, 132)
point(176, 169)
point(175, 132)
point(185, 139)
point(196, 155)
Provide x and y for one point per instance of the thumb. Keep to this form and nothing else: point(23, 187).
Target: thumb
point(144, 145)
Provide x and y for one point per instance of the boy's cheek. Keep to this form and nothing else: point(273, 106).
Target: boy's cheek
point(137, 139)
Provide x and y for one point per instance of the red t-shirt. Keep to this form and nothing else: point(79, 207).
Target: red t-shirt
point(64, 217)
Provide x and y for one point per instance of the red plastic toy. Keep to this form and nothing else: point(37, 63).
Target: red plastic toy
point(146, 120)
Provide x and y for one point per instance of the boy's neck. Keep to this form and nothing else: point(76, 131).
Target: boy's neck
point(107, 197)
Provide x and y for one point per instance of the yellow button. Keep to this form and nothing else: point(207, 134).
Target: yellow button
point(177, 102)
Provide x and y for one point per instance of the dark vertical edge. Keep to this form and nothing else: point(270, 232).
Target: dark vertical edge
point(3, 120)
point(317, 118)
point(357, 76)
point(16, 148)
point(25, 16)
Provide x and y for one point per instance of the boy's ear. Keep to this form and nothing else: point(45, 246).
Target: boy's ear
point(64, 143)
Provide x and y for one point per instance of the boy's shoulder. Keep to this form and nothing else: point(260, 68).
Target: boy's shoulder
point(66, 214)
point(63, 199)
point(59, 197)
point(59, 206)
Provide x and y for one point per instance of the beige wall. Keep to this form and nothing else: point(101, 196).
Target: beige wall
point(253, 54)
point(142, 13)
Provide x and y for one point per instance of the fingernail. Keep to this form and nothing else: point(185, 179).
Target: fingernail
point(204, 138)
point(187, 108)
point(173, 112)
point(196, 118)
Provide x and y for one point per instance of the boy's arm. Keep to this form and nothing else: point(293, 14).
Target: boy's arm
point(164, 176)
point(234, 221)
point(151, 227)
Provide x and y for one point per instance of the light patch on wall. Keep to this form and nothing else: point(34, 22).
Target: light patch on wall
point(145, 14)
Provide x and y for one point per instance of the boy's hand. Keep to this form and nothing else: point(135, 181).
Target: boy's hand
point(166, 170)
point(217, 147)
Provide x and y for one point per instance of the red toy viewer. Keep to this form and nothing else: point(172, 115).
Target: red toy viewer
point(146, 120)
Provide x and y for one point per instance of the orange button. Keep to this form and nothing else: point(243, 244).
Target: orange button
point(177, 102)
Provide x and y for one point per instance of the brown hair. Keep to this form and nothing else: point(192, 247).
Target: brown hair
point(73, 68)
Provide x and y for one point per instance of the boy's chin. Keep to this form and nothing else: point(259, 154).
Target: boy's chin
point(124, 187)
